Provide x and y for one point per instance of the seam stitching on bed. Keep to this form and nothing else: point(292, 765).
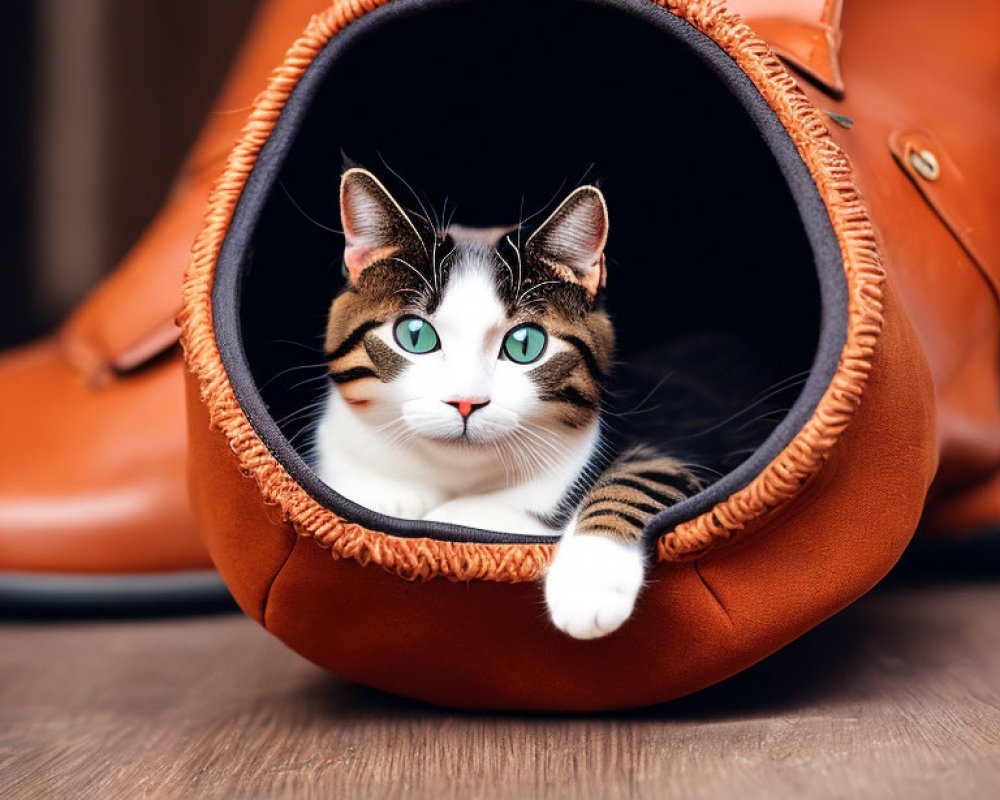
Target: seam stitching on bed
point(277, 574)
point(715, 597)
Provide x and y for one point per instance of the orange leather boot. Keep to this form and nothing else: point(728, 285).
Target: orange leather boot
point(925, 107)
point(93, 505)
point(839, 222)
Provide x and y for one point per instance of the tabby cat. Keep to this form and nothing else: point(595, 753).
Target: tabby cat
point(467, 371)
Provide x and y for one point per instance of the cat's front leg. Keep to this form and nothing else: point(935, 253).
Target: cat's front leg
point(490, 513)
point(593, 583)
point(391, 497)
point(598, 569)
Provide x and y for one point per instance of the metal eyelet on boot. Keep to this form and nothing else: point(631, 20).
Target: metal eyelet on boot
point(926, 164)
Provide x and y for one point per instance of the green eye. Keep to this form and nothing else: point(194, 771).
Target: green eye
point(416, 335)
point(525, 343)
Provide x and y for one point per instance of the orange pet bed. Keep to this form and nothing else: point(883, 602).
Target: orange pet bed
point(739, 232)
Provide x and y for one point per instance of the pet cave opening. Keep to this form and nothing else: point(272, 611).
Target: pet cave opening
point(725, 279)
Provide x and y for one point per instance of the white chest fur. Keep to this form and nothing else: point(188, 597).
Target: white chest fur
point(419, 479)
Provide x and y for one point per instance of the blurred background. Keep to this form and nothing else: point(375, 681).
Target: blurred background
point(103, 98)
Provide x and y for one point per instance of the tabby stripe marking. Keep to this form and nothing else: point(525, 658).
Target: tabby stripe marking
point(676, 480)
point(600, 529)
point(573, 396)
point(646, 508)
point(588, 356)
point(353, 374)
point(672, 496)
point(353, 339)
point(635, 522)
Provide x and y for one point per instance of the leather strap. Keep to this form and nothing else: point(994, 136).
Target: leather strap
point(954, 199)
point(804, 33)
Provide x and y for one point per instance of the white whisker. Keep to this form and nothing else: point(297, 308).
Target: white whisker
point(517, 251)
point(530, 289)
point(416, 271)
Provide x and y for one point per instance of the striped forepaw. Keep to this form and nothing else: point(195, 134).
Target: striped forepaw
point(598, 569)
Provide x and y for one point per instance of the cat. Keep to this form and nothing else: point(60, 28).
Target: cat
point(466, 372)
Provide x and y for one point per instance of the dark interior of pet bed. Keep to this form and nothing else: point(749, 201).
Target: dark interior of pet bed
point(725, 281)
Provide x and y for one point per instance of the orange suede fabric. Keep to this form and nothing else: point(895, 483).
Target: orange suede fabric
point(247, 540)
point(490, 644)
point(338, 596)
point(411, 558)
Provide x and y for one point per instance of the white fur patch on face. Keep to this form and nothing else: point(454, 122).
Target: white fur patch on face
point(454, 430)
point(471, 323)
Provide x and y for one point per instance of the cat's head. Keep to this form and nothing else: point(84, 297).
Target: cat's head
point(468, 338)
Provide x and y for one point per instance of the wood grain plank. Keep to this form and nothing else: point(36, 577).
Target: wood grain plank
point(897, 697)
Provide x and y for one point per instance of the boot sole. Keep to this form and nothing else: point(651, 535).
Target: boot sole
point(60, 595)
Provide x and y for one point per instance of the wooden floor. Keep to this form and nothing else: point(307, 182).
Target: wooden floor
point(899, 696)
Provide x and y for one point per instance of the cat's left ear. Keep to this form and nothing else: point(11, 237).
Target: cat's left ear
point(571, 241)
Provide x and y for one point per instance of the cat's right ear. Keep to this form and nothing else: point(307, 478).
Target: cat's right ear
point(375, 225)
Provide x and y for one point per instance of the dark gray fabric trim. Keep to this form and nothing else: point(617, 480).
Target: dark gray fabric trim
point(227, 287)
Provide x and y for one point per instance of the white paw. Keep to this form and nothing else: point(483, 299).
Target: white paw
point(592, 585)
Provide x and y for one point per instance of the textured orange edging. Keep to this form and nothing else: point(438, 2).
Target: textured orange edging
point(426, 558)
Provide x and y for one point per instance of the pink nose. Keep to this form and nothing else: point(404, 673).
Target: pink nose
point(466, 407)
